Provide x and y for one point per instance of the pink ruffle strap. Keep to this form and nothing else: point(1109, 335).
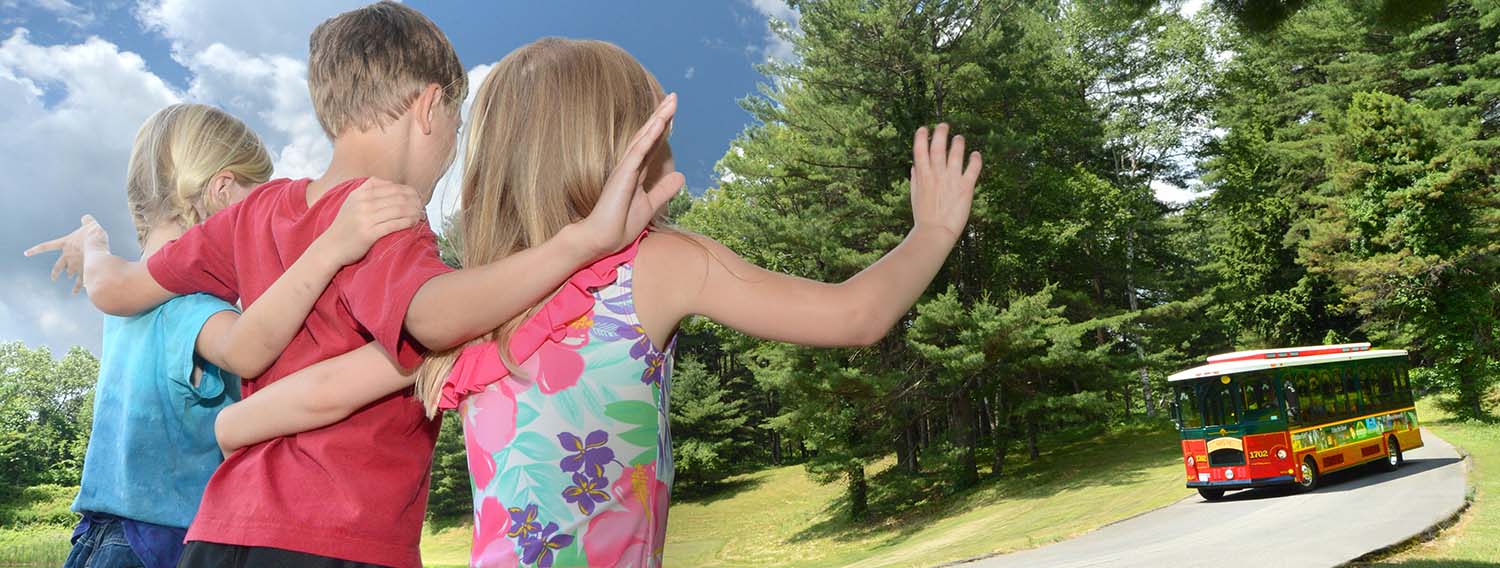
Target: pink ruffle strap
point(479, 365)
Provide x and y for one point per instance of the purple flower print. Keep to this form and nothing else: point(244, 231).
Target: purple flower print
point(538, 551)
point(523, 523)
point(610, 329)
point(655, 365)
point(586, 491)
point(589, 456)
point(622, 304)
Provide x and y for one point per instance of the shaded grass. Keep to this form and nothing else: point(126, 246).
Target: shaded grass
point(1475, 541)
point(788, 520)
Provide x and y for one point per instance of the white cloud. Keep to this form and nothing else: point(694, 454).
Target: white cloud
point(263, 27)
point(67, 12)
point(688, 74)
point(270, 93)
point(258, 72)
point(70, 112)
point(778, 13)
point(63, 159)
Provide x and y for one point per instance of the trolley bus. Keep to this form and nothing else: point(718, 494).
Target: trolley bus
point(1289, 416)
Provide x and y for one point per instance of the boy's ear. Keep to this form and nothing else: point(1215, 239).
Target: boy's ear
point(428, 102)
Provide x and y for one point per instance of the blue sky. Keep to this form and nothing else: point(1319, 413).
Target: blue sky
point(78, 77)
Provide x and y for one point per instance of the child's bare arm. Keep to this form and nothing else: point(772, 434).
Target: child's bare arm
point(116, 286)
point(459, 306)
point(312, 398)
point(248, 344)
point(859, 311)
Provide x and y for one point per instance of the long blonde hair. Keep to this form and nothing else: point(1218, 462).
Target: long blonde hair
point(176, 153)
point(546, 127)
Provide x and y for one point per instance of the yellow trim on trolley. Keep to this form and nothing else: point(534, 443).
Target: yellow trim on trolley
point(1337, 422)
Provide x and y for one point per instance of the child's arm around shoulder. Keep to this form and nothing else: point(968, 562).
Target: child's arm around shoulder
point(312, 398)
point(456, 307)
point(684, 274)
point(247, 344)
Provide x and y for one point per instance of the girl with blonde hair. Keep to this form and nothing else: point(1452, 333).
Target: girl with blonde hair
point(566, 427)
point(164, 375)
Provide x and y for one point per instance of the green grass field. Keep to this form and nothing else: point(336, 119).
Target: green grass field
point(780, 517)
point(1474, 542)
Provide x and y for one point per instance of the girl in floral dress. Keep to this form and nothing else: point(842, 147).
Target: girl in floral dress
point(566, 429)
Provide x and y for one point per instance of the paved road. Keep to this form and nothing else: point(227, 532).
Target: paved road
point(1353, 513)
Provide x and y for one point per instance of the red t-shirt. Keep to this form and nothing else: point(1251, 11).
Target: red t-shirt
point(355, 490)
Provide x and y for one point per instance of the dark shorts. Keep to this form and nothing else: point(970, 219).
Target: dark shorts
point(214, 555)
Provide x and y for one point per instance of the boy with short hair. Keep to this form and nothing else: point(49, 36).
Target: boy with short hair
point(386, 85)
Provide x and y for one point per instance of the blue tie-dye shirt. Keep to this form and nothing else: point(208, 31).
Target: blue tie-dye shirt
point(152, 448)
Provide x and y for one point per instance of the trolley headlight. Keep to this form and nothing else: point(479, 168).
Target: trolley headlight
point(1228, 474)
point(1192, 462)
point(1281, 454)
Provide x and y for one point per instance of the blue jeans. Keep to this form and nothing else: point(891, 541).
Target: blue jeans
point(103, 545)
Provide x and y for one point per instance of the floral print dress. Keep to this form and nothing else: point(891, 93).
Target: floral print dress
point(571, 463)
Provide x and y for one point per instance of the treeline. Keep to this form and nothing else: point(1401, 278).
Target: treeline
point(46, 410)
point(1343, 161)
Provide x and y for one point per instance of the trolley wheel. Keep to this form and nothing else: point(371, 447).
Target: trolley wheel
point(1310, 475)
point(1211, 493)
point(1393, 457)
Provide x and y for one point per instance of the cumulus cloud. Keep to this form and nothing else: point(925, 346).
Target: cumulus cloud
point(62, 159)
point(270, 93)
point(263, 27)
point(70, 112)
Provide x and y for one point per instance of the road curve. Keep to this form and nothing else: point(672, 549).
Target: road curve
point(1353, 513)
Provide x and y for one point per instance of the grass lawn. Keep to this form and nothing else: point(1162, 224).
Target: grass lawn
point(779, 517)
point(1475, 541)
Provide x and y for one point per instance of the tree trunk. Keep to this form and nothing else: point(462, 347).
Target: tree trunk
point(1140, 352)
point(1031, 435)
point(775, 447)
point(1001, 442)
point(906, 448)
point(963, 426)
point(859, 493)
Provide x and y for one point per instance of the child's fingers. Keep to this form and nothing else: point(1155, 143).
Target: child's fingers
point(665, 189)
point(39, 248)
point(59, 266)
point(939, 152)
point(664, 112)
point(919, 151)
point(77, 285)
point(387, 227)
point(971, 174)
point(393, 212)
point(635, 156)
point(956, 155)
